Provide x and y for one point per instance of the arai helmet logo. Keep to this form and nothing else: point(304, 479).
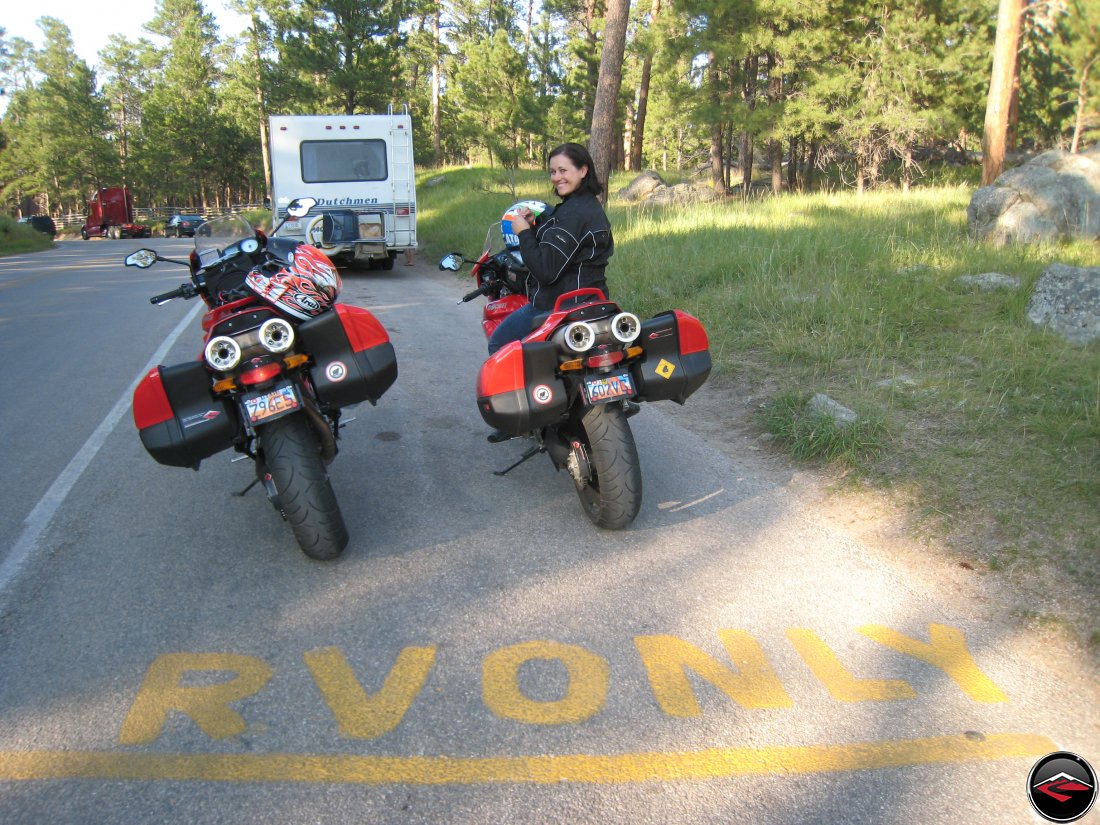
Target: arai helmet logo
point(336, 371)
point(308, 303)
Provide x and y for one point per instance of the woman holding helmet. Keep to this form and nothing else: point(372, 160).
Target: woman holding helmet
point(566, 251)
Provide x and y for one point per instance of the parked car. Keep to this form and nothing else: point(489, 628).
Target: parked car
point(43, 223)
point(180, 225)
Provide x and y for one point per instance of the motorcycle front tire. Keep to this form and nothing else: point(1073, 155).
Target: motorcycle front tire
point(612, 496)
point(292, 455)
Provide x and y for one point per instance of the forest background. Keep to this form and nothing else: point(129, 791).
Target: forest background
point(792, 95)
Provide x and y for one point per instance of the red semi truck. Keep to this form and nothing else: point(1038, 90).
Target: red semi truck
point(111, 215)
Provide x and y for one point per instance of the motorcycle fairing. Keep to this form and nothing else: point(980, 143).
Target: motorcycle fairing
point(675, 360)
point(518, 389)
point(179, 419)
point(353, 359)
point(496, 311)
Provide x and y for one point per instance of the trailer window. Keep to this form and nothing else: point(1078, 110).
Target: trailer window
point(332, 161)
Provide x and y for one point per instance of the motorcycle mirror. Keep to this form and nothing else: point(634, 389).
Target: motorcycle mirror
point(299, 207)
point(453, 262)
point(143, 258)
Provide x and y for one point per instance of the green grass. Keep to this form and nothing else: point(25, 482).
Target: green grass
point(16, 238)
point(985, 426)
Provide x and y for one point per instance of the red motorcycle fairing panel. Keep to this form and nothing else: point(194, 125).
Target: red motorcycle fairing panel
point(353, 359)
point(496, 311)
point(693, 337)
point(220, 313)
point(363, 330)
point(178, 417)
point(151, 405)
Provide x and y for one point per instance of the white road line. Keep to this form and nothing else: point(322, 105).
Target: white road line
point(39, 518)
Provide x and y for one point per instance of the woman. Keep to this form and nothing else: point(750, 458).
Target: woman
point(569, 250)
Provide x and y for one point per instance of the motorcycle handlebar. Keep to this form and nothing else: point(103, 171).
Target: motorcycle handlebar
point(481, 290)
point(182, 291)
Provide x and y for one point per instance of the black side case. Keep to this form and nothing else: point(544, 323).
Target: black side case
point(202, 424)
point(662, 373)
point(542, 400)
point(342, 375)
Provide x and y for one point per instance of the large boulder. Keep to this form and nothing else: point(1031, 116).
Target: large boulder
point(1054, 195)
point(642, 186)
point(650, 187)
point(1067, 300)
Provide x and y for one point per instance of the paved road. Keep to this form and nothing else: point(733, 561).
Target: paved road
point(480, 653)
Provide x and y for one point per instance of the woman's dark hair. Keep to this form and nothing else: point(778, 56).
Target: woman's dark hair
point(580, 157)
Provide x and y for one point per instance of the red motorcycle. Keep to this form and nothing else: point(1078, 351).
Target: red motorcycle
point(281, 359)
point(572, 384)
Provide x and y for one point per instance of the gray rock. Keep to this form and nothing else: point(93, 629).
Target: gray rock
point(824, 405)
point(916, 269)
point(649, 187)
point(899, 382)
point(1054, 195)
point(989, 281)
point(1067, 300)
point(642, 186)
point(684, 193)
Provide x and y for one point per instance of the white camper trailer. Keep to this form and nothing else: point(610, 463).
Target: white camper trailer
point(360, 170)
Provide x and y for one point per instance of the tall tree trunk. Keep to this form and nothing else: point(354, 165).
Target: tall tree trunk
point(906, 168)
point(775, 148)
point(1009, 22)
point(607, 89)
point(810, 182)
point(1012, 132)
point(748, 95)
point(261, 108)
point(717, 176)
point(437, 87)
point(794, 160)
point(643, 100)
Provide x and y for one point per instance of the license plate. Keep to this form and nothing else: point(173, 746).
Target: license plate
point(271, 404)
point(608, 388)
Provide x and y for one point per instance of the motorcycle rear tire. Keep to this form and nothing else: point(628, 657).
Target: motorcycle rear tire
point(292, 455)
point(613, 495)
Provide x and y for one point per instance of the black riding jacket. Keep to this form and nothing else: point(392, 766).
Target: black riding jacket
point(569, 250)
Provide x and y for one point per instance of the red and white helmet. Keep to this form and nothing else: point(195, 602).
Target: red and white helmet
point(304, 288)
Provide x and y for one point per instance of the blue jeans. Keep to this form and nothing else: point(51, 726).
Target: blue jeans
point(515, 326)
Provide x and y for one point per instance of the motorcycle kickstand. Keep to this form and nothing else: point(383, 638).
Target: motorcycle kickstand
point(242, 493)
point(531, 453)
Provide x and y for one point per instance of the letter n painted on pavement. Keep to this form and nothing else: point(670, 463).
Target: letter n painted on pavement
point(753, 684)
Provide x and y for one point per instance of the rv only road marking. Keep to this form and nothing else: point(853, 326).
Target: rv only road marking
point(204, 686)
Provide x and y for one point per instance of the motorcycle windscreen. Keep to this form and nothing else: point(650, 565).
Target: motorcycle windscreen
point(676, 358)
point(353, 359)
point(179, 419)
point(518, 390)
